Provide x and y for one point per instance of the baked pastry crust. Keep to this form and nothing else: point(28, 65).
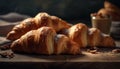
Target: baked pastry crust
point(78, 33)
point(40, 20)
point(39, 41)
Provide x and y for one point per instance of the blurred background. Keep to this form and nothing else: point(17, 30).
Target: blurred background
point(70, 10)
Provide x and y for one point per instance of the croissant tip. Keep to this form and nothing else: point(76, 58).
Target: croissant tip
point(10, 37)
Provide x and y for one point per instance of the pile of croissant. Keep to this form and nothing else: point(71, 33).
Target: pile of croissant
point(110, 9)
point(46, 34)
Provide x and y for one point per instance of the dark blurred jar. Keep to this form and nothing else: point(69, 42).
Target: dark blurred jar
point(102, 22)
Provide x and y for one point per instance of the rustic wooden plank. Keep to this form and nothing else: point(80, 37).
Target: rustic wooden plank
point(105, 55)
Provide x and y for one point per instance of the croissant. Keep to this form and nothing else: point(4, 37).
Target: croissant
point(110, 9)
point(88, 37)
point(78, 33)
point(41, 19)
point(38, 41)
point(115, 16)
point(44, 41)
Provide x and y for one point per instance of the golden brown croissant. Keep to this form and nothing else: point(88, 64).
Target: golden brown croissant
point(110, 9)
point(41, 19)
point(45, 41)
point(39, 41)
point(115, 16)
point(78, 33)
point(85, 37)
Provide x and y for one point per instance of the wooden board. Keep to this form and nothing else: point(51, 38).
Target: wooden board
point(103, 55)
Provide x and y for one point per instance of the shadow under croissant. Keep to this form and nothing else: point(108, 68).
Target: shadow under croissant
point(100, 49)
point(53, 57)
point(65, 57)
